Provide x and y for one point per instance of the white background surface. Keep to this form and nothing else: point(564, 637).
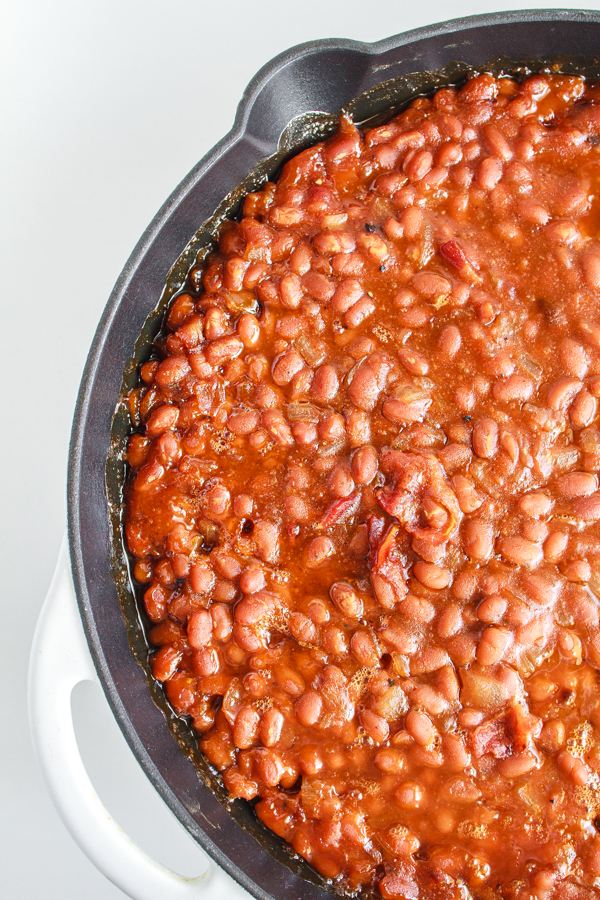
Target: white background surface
point(105, 106)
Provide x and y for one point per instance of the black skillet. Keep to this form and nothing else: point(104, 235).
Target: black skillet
point(293, 101)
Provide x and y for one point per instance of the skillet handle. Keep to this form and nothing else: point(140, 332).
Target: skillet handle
point(60, 659)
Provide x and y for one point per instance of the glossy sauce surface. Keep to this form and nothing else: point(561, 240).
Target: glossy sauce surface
point(363, 498)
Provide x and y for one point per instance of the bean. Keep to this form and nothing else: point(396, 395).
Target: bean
point(222, 621)
point(573, 767)
point(266, 536)
point(341, 483)
point(532, 212)
point(325, 384)
point(517, 765)
point(418, 165)
point(364, 648)
point(413, 362)
point(255, 608)
point(489, 173)
point(496, 142)
point(162, 419)
point(590, 264)
point(302, 628)
point(573, 357)
point(346, 295)
point(493, 645)
point(242, 423)
point(364, 388)
point(535, 504)
point(333, 641)
point(412, 221)
point(364, 465)
point(357, 314)
point(562, 392)
point(431, 575)
point(409, 795)
point(429, 699)
point(286, 366)
point(485, 438)
point(218, 500)
point(583, 410)
point(245, 730)
point(319, 550)
point(166, 661)
point(520, 551)
point(588, 508)
point(308, 708)
point(450, 622)
point(375, 726)
point(199, 629)
point(346, 599)
point(556, 544)
point(420, 727)
point(223, 350)
point(391, 761)
point(252, 580)
point(449, 341)
point(515, 388)
point(417, 609)
point(431, 285)
point(478, 539)
point(468, 498)
point(271, 727)
point(492, 609)
point(202, 578)
point(576, 484)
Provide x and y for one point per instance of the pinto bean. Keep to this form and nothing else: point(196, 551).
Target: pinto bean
point(485, 438)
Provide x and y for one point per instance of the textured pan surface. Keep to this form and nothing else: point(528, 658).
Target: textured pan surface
point(291, 102)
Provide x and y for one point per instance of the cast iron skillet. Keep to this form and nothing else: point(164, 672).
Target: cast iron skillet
point(293, 100)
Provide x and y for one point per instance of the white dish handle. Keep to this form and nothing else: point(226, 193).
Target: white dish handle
point(61, 659)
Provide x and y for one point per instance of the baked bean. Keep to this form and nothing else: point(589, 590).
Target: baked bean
point(562, 392)
point(417, 609)
point(252, 580)
point(574, 768)
point(535, 504)
point(222, 621)
point(582, 411)
point(243, 422)
point(485, 438)
point(325, 384)
point(517, 765)
point(245, 731)
point(364, 465)
point(489, 173)
point(431, 575)
point(492, 646)
point(555, 545)
point(375, 726)
point(364, 648)
point(202, 578)
point(520, 551)
point(576, 484)
point(199, 629)
point(492, 609)
point(346, 600)
point(319, 550)
point(478, 540)
point(420, 727)
point(308, 708)
point(255, 608)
